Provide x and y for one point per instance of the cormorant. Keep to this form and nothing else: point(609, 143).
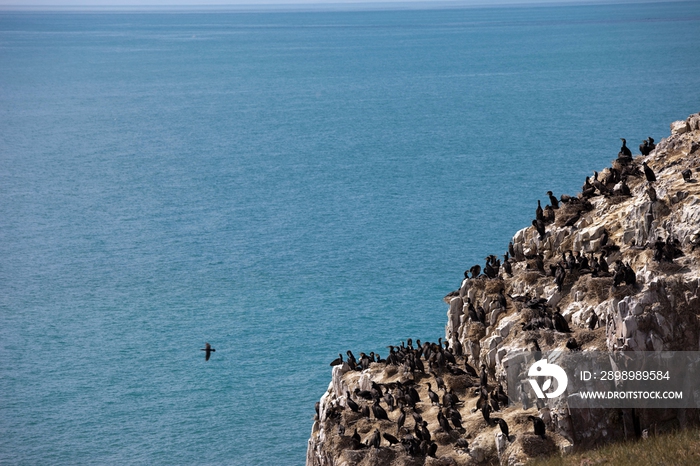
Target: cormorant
point(538, 423)
point(624, 150)
point(485, 411)
point(470, 370)
point(351, 404)
point(600, 186)
point(390, 438)
point(539, 213)
point(503, 425)
point(644, 148)
point(434, 398)
point(553, 200)
point(648, 172)
point(356, 440)
point(483, 377)
point(379, 412)
point(375, 440)
point(444, 423)
point(560, 323)
point(432, 449)
point(573, 345)
point(502, 299)
point(506, 266)
point(539, 226)
point(337, 361)
point(559, 276)
point(209, 350)
point(401, 419)
point(593, 321)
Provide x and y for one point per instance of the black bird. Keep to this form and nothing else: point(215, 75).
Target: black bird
point(483, 377)
point(559, 276)
point(356, 440)
point(432, 449)
point(337, 361)
point(444, 423)
point(573, 345)
point(503, 425)
point(502, 299)
point(648, 172)
point(652, 146)
point(600, 186)
point(209, 350)
point(539, 213)
point(400, 420)
point(538, 424)
point(375, 440)
point(351, 404)
point(644, 148)
point(470, 370)
point(486, 412)
point(539, 226)
point(507, 267)
point(379, 412)
point(365, 411)
point(535, 347)
point(593, 321)
point(391, 439)
point(553, 200)
point(389, 400)
point(434, 398)
point(417, 418)
point(560, 323)
point(624, 150)
point(425, 433)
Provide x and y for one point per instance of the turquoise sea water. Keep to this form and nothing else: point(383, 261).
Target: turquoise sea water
point(286, 186)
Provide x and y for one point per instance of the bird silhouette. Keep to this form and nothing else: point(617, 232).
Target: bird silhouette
point(208, 349)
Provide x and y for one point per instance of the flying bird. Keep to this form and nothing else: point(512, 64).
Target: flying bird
point(208, 349)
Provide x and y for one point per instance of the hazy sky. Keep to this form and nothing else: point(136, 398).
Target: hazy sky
point(204, 3)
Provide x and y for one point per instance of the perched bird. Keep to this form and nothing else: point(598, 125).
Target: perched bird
point(573, 345)
point(539, 213)
point(379, 412)
point(649, 173)
point(503, 425)
point(209, 350)
point(560, 323)
point(390, 438)
point(483, 377)
point(593, 321)
point(351, 404)
point(538, 425)
point(624, 150)
point(337, 361)
point(356, 440)
point(375, 440)
point(553, 200)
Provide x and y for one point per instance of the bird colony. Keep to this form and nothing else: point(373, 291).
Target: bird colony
point(614, 268)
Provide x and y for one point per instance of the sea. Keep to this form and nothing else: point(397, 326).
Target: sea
point(286, 185)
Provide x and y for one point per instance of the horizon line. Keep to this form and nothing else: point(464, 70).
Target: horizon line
point(295, 5)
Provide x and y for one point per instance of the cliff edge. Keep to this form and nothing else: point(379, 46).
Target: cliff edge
point(617, 265)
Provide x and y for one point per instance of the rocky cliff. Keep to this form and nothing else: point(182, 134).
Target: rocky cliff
point(619, 262)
